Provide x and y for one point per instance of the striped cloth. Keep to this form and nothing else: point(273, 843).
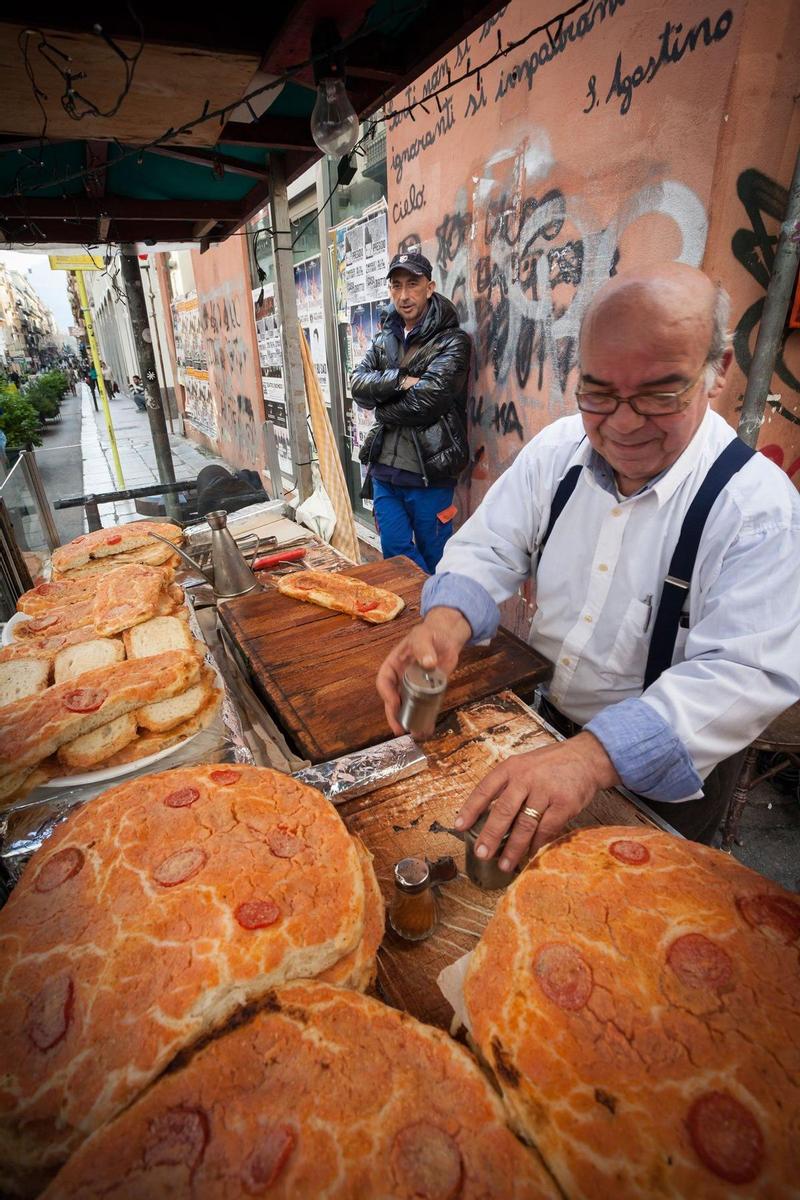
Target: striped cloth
point(344, 537)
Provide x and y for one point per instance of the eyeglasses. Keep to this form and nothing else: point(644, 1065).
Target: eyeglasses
point(646, 404)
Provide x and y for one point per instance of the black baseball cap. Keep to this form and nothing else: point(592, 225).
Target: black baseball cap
point(411, 261)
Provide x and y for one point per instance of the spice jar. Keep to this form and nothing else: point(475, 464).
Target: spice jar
point(421, 694)
point(413, 912)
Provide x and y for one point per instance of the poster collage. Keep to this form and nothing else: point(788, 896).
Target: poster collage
point(308, 288)
point(361, 261)
point(192, 364)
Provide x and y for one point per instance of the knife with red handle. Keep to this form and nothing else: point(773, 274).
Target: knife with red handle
point(282, 556)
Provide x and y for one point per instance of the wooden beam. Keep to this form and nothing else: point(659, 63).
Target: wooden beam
point(118, 208)
point(376, 73)
point(201, 229)
point(103, 226)
point(276, 133)
point(208, 158)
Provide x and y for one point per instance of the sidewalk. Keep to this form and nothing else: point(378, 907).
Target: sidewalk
point(137, 456)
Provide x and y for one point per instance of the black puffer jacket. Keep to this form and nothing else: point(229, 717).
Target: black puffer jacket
point(432, 414)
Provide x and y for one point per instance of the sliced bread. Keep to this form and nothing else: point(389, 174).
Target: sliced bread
point(22, 677)
point(157, 635)
point(92, 748)
point(164, 714)
point(153, 743)
point(86, 656)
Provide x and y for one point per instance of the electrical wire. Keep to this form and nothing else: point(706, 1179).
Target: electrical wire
point(220, 114)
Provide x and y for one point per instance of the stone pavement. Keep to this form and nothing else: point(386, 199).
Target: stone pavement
point(136, 453)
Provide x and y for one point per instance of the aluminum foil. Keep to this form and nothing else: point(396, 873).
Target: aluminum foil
point(365, 770)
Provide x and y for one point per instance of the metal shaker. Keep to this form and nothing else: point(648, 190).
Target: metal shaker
point(421, 695)
point(485, 873)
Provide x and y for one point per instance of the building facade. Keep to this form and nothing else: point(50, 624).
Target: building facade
point(29, 338)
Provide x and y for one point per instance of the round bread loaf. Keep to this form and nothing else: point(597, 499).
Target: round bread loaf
point(638, 998)
point(149, 917)
point(359, 968)
point(325, 1093)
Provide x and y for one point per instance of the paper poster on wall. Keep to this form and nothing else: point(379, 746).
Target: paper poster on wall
point(270, 351)
point(339, 266)
point(314, 290)
point(190, 348)
point(284, 450)
point(315, 336)
point(199, 407)
point(376, 262)
point(355, 264)
point(301, 292)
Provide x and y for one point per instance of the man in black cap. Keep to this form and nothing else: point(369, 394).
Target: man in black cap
point(414, 378)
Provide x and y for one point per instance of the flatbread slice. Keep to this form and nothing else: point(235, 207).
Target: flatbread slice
point(57, 620)
point(157, 635)
point(47, 646)
point(93, 748)
point(146, 744)
point(127, 596)
point(330, 589)
point(22, 677)
point(46, 596)
point(87, 656)
point(106, 543)
point(33, 728)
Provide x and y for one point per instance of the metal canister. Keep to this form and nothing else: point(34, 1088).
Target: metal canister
point(421, 695)
point(485, 873)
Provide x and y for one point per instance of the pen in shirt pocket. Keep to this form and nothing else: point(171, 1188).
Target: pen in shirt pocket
point(649, 602)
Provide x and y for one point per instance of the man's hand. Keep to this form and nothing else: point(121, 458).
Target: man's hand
point(558, 781)
point(408, 382)
point(437, 642)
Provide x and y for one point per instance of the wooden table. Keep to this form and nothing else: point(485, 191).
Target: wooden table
point(315, 669)
point(395, 822)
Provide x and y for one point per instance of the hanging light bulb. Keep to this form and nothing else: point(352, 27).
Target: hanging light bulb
point(334, 123)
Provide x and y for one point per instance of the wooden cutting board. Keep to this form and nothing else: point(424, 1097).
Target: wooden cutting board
point(395, 822)
point(316, 669)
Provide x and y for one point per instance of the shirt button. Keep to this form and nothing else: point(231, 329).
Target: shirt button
point(565, 662)
point(616, 512)
point(588, 619)
point(603, 567)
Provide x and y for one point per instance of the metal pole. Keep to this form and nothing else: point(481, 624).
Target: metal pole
point(137, 308)
point(773, 318)
point(101, 386)
point(294, 384)
point(154, 327)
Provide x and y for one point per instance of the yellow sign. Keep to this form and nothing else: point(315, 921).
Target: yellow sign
point(76, 262)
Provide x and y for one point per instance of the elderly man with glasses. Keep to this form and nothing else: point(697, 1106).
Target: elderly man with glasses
point(665, 559)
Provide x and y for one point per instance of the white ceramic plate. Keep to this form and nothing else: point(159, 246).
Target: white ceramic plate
point(108, 773)
point(8, 628)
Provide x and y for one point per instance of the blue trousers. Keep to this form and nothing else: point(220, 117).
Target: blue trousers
point(408, 521)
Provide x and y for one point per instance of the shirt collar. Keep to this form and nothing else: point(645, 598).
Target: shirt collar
point(664, 485)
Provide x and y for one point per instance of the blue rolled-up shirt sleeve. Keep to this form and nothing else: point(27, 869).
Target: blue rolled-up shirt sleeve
point(647, 754)
point(471, 598)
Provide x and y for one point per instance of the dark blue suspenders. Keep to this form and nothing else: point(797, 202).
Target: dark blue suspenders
point(676, 584)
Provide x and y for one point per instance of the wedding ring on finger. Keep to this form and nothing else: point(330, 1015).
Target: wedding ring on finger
point(533, 813)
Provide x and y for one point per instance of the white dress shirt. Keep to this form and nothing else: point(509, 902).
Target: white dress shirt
point(736, 664)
